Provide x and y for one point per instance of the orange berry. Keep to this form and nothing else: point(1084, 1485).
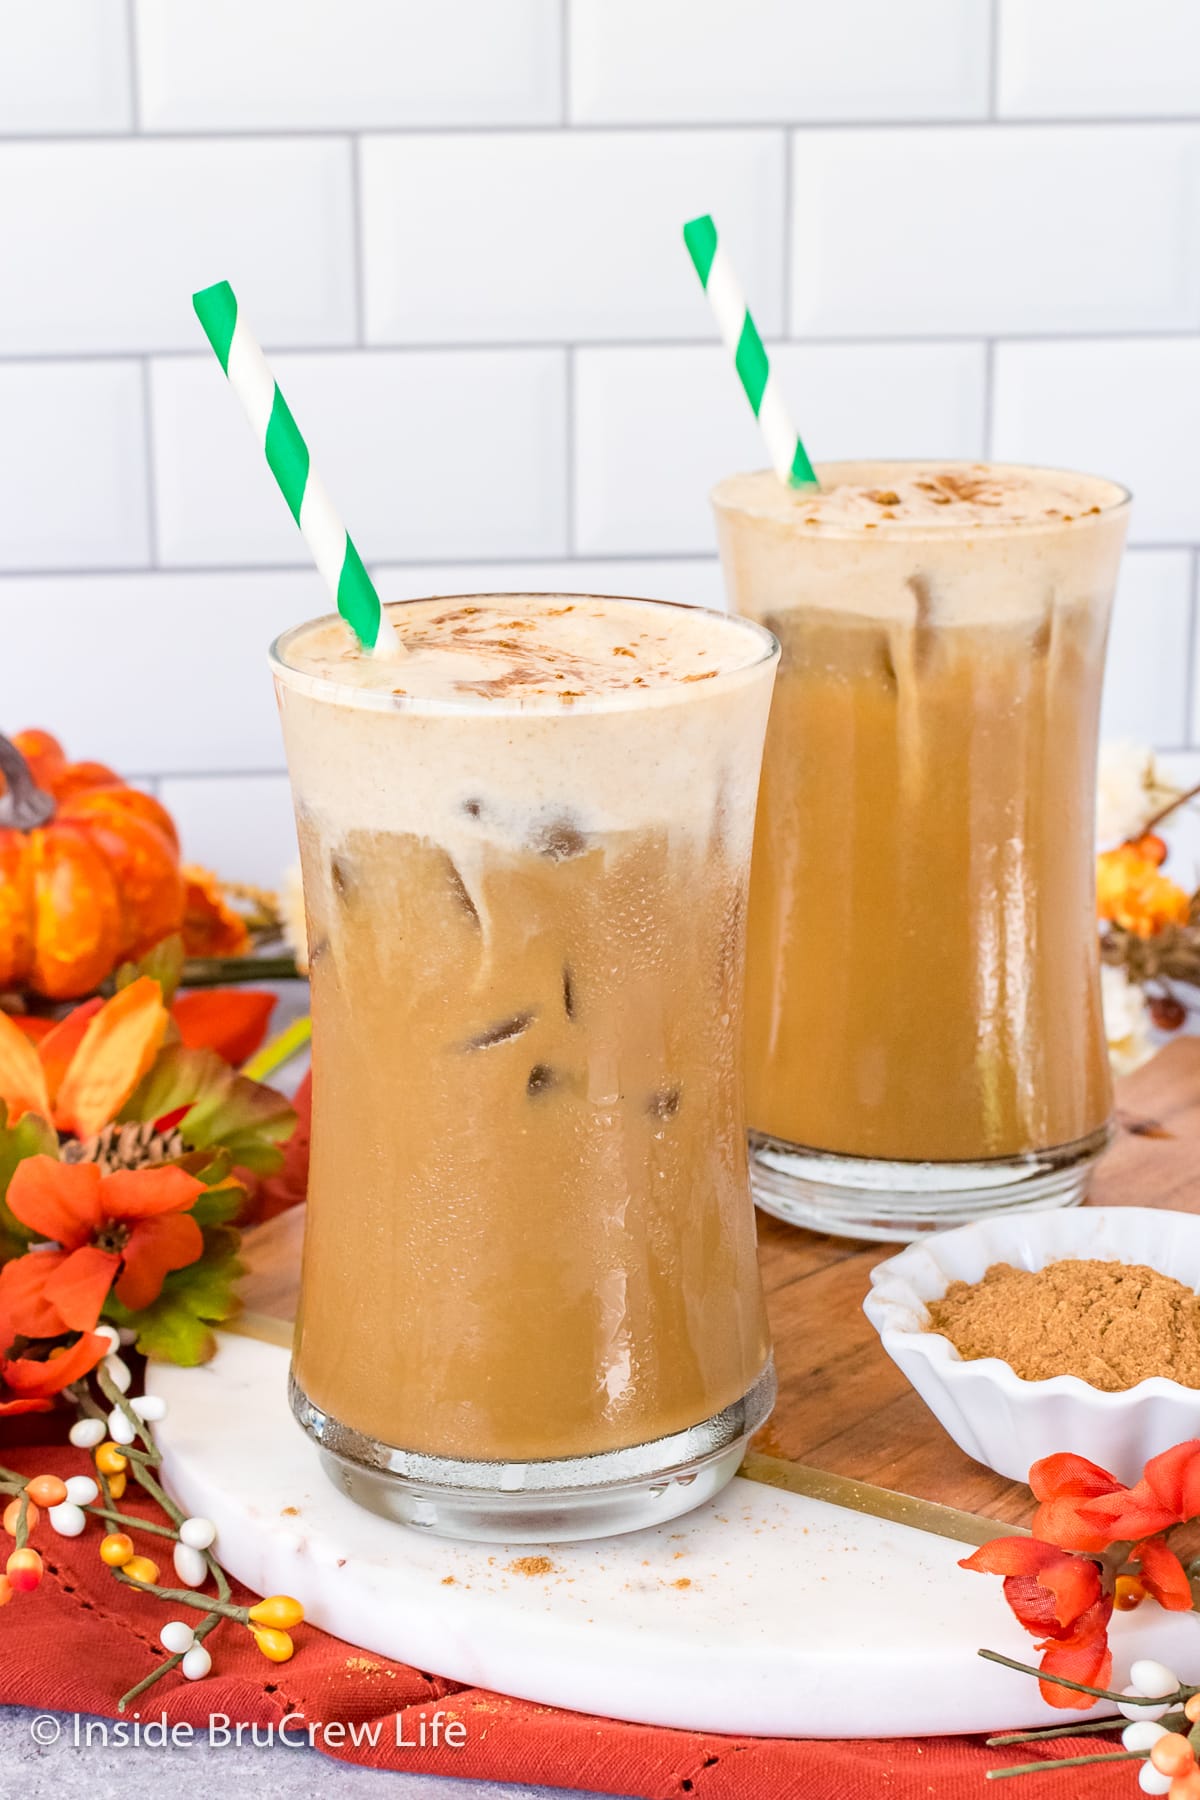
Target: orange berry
point(141, 1569)
point(46, 1490)
point(276, 1646)
point(24, 1570)
point(1173, 1755)
point(1129, 1593)
point(12, 1513)
point(109, 1460)
point(1186, 1787)
point(279, 1611)
point(116, 1485)
point(116, 1549)
point(1192, 1708)
point(6, 1590)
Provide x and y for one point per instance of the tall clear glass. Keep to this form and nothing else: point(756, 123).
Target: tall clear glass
point(530, 1301)
point(924, 1036)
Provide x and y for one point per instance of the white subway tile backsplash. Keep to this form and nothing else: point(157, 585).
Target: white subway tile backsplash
point(689, 581)
point(240, 825)
point(655, 428)
point(1022, 229)
point(434, 453)
point(64, 67)
point(520, 237)
point(1126, 408)
point(154, 674)
point(72, 466)
point(1072, 58)
point(700, 61)
point(258, 65)
point(1147, 679)
point(110, 240)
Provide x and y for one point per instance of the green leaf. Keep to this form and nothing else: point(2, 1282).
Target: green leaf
point(163, 963)
point(226, 1110)
point(178, 1326)
point(32, 1136)
point(219, 1205)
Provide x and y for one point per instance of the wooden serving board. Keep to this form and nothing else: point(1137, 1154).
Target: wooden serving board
point(843, 1405)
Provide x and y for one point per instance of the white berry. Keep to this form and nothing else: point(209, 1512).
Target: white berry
point(120, 1429)
point(177, 1636)
point(149, 1406)
point(1130, 1711)
point(1150, 1677)
point(82, 1490)
point(1142, 1736)
point(1151, 1782)
point(85, 1434)
point(118, 1373)
point(196, 1663)
point(68, 1520)
point(199, 1533)
point(190, 1566)
point(111, 1333)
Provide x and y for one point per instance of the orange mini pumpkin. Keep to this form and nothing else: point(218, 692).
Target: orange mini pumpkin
point(89, 870)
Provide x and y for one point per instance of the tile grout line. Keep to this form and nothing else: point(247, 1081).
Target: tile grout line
point(624, 127)
point(564, 60)
point(703, 553)
point(994, 63)
point(789, 158)
point(151, 471)
point(989, 395)
point(131, 53)
point(569, 449)
point(1191, 717)
point(1185, 335)
point(359, 240)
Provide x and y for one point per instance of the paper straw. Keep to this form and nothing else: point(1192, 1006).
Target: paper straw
point(788, 456)
point(287, 455)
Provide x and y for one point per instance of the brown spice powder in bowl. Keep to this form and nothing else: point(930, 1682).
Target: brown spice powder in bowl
point(1112, 1324)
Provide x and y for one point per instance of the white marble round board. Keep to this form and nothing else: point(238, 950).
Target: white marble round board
point(763, 1612)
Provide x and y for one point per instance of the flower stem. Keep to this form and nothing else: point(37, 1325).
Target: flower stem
point(1049, 1764)
point(172, 1662)
point(1080, 1687)
point(224, 971)
point(1057, 1731)
point(120, 1518)
point(186, 1597)
point(112, 1392)
point(1164, 812)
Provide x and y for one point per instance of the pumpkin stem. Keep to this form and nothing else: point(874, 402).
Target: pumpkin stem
point(24, 805)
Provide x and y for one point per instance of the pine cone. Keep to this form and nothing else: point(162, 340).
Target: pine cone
point(133, 1146)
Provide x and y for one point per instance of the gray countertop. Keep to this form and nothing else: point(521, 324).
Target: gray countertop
point(60, 1768)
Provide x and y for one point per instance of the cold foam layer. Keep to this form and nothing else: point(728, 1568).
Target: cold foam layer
point(528, 721)
point(926, 544)
point(900, 497)
point(529, 650)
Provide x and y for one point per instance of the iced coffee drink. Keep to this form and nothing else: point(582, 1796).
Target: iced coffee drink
point(530, 1303)
point(924, 1039)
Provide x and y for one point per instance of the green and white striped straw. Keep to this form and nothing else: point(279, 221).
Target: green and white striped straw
point(788, 456)
point(275, 429)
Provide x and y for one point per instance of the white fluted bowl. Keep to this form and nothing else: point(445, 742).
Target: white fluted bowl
point(990, 1412)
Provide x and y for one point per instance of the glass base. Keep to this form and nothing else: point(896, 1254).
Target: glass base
point(894, 1202)
point(553, 1501)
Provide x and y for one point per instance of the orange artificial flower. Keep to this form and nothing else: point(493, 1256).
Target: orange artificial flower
point(79, 1075)
point(29, 1385)
point(231, 1021)
point(210, 925)
point(1059, 1599)
point(1131, 891)
point(131, 1228)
